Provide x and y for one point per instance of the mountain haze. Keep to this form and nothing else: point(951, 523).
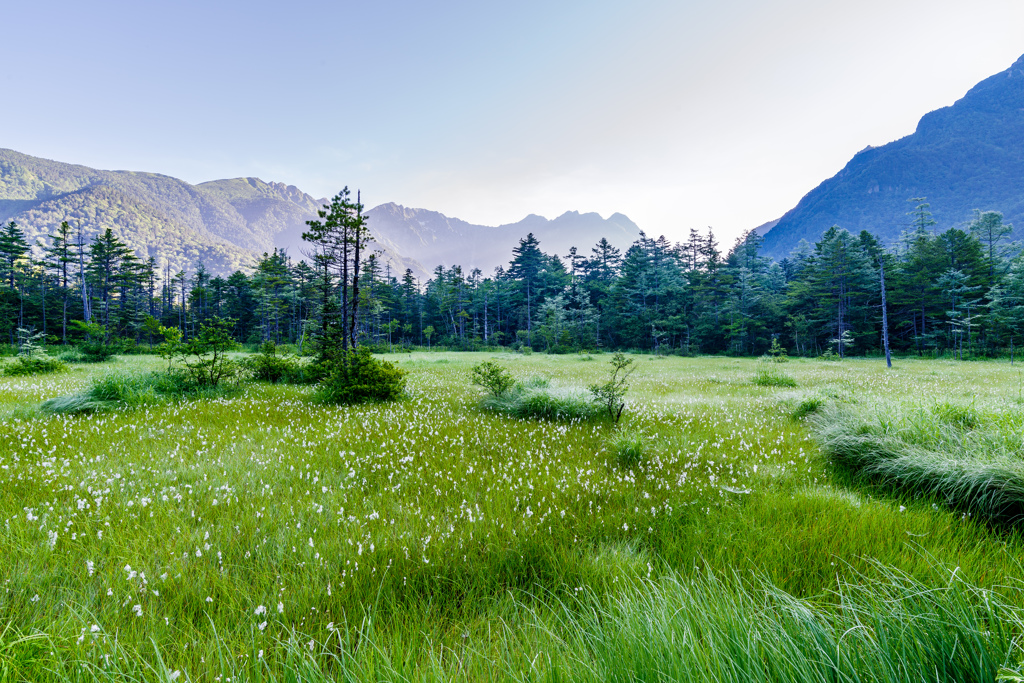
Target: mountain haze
point(967, 156)
point(227, 224)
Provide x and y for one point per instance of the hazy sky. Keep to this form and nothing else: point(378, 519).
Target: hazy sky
point(677, 114)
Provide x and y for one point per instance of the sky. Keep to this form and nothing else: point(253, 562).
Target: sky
point(678, 114)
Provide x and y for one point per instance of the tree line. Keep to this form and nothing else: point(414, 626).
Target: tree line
point(959, 292)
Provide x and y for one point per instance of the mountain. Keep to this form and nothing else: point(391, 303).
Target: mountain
point(226, 224)
point(439, 240)
point(963, 157)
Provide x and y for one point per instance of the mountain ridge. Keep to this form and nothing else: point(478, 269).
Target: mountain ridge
point(965, 156)
point(228, 223)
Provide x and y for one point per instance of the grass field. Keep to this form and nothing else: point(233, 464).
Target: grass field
point(261, 536)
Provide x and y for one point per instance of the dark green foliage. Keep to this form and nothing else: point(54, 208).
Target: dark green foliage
point(609, 395)
point(268, 366)
point(358, 377)
point(536, 400)
point(204, 357)
point(493, 377)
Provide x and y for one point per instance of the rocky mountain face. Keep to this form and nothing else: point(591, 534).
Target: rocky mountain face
point(226, 224)
point(963, 157)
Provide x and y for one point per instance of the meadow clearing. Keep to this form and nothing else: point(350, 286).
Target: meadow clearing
point(260, 536)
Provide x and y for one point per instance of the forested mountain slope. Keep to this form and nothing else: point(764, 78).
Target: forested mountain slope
point(226, 224)
point(963, 157)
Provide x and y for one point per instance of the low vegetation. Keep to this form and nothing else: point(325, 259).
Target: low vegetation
point(958, 455)
point(258, 534)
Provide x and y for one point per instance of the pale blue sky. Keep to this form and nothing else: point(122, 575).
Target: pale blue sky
point(677, 114)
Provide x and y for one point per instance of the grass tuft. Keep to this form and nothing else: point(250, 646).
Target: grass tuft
point(769, 374)
point(537, 400)
point(924, 452)
point(627, 447)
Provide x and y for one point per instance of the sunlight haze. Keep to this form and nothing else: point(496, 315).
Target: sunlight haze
point(677, 114)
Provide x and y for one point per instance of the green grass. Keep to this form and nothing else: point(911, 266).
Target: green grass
point(427, 539)
point(967, 458)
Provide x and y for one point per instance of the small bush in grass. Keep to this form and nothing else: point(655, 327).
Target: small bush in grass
point(627, 446)
point(769, 374)
point(32, 359)
point(493, 378)
point(268, 366)
point(609, 395)
point(358, 377)
point(777, 353)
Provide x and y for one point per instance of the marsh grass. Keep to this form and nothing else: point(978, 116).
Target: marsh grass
point(427, 540)
point(536, 399)
point(966, 458)
point(770, 374)
point(126, 390)
point(627, 447)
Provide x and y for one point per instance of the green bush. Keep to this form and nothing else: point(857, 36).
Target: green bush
point(493, 377)
point(769, 374)
point(358, 377)
point(32, 359)
point(95, 352)
point(267, 366)
point(627, 446)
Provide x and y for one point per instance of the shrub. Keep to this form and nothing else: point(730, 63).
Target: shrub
point(777, 353)
point(32, 359)
point(769, 374)
point(610, 394)
point(627, 446)
point(357, 377)
point(493, 377)
point(267, 366)
point(204, 356)
point(35, 364)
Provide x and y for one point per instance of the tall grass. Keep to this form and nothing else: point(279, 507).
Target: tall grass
point(706, 628)
point(968, 461)
point(537, 400)
point(129, 390)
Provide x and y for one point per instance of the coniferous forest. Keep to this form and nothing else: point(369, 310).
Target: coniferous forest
point(958, 291)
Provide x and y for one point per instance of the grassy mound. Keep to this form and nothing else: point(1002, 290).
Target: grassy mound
point(536, 399)
point(129, 390)
point(968, 460)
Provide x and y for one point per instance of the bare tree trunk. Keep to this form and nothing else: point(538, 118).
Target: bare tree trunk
point(885, 320)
